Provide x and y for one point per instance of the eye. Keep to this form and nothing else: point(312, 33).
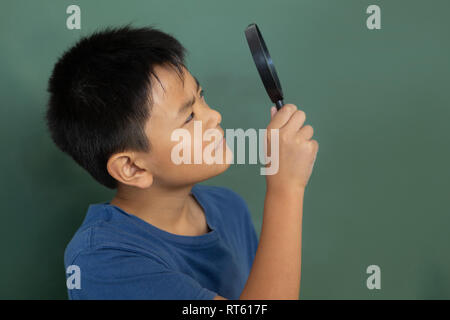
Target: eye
point(191, 116)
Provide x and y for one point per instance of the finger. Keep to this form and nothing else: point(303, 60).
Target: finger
point(315, 145)
point(296, 121)
point(273, 110)
point(316, 148)
point(306, 132)
point(282, 116)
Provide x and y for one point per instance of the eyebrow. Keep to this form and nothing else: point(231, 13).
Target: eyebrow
point(189, 103)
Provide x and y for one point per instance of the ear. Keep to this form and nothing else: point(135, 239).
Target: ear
point(125, 168)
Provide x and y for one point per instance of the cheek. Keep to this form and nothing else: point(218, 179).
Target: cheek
point(162, 152)
point(197, 145)
point(168, 149)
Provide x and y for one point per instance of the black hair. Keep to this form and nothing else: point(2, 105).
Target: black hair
point(100, 94)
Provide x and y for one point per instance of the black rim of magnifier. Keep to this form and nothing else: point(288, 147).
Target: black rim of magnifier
point(264, 64)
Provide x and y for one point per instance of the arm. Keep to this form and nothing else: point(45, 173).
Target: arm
point(276, 269)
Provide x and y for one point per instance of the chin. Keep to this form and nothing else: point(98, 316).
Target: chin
point(223, 167)
point(216, 169)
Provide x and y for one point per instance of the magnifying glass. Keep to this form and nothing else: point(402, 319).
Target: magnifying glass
point(264, 64)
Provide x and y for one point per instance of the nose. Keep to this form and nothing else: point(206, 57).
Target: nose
point(214, 118)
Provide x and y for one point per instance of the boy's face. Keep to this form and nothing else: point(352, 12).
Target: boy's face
point(168, 115)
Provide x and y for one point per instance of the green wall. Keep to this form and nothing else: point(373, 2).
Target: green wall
point(379, 102)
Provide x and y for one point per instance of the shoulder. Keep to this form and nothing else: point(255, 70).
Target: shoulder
point(233, 215)
point(102, 255)
point(109, 233)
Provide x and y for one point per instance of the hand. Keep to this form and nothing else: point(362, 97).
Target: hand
point(297, 151)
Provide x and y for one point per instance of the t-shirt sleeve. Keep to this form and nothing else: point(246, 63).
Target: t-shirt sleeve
point(113, 273)
point(250, 231)
point(244, 219)
point(253, 236)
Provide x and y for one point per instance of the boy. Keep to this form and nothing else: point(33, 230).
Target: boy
point(115, 99)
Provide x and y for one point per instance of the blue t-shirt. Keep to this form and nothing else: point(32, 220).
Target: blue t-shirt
point(120, 256)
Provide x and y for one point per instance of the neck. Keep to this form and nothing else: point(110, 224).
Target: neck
point(170, 209)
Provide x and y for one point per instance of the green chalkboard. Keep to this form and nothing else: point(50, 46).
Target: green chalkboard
point(378, 100)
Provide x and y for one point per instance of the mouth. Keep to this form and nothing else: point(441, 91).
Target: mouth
point(220, 143)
